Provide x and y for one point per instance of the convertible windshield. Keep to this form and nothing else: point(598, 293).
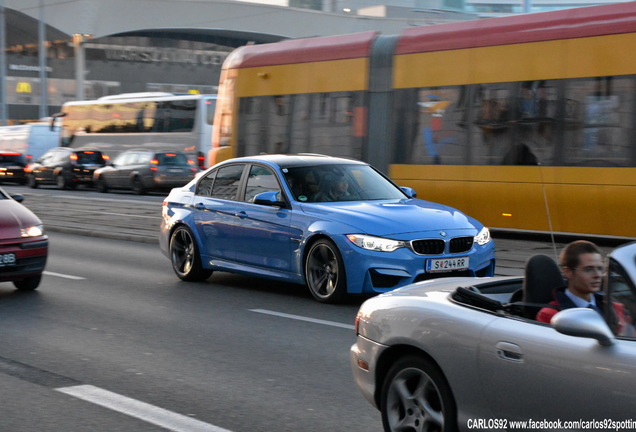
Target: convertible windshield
point(329, 183)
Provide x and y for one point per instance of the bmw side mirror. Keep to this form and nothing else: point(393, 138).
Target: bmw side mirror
point(410, 192)
point(18, 197)
point(582, 322)
point(271, 198)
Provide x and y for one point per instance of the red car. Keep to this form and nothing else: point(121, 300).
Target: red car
point(23, 244)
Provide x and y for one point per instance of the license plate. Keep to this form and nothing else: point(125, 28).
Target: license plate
point(446, 264)
point(7, 259)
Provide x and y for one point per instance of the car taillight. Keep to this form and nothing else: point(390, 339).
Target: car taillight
point(153, 164)
point(73, 159)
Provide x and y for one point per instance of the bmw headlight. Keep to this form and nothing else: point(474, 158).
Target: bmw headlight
point(32, 231)
point(483, 237)
point(375, 243)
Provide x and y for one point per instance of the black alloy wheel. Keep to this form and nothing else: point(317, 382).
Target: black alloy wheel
point(417, 398)
point(325, 272)
point(184, 256)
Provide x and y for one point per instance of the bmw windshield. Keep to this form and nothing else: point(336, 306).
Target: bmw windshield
point(330, 183)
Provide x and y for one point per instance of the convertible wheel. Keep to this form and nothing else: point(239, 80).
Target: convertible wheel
point(417, 398)
point(185, 258)
point(325, 272)
point(28, 284)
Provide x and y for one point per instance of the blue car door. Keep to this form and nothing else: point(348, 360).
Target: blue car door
point(214, 211)
point(264, 237)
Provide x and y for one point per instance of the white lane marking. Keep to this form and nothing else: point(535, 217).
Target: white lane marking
point(302, 318)
point(141, 410)
point(65, 276)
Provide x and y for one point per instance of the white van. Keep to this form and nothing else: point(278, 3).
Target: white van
point(32, 140)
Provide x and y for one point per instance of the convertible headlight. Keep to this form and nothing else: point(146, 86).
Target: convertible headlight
point(32, 231)
point(375, 243)
point(483, 237)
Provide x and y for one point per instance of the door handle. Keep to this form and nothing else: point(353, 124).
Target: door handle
point(241, 215)
point(199, 206)
point(509, 351)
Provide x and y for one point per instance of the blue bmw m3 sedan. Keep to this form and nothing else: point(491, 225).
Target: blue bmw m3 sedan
point(336, 225)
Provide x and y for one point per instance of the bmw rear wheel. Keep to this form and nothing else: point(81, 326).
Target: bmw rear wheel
point(417, 398)
point(325, 272)
point(185, 258)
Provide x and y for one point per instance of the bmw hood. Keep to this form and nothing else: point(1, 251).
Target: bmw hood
point(14, 216)
point(395, 217)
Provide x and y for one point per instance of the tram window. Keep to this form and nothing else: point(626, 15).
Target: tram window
point(600, 113)
point(314, 123)
point(431, 125)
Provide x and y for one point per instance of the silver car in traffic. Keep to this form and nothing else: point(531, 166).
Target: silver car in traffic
point(466, 354)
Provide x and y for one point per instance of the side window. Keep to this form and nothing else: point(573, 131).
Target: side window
point(227, 181)
point(121, 159)
point(204, 187)
point(623, 299)
point(261, 179)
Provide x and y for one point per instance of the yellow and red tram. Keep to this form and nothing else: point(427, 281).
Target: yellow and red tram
point(525, 122)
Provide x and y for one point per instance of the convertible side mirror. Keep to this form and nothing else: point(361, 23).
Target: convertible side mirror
point(582, 322)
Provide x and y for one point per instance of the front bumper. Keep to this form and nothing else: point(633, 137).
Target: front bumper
point(364, 356)
point(370, 272)
point(30, 260)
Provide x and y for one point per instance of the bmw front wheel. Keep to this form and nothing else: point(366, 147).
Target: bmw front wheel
point(185, 258)
point(416, 397)
point(325, 272)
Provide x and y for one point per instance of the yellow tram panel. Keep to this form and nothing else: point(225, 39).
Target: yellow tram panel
point(558, 199)
point(302, 78)
point(559, 59)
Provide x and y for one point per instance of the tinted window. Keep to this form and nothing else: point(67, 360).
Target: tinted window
point(226, 182)
point(318, 183)
point(172, 159)
point(87, 157)
point(12, 158)
point(204, 187)
point(261, 179)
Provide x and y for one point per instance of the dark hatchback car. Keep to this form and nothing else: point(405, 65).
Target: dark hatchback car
point(12, 166)
point(65, 167)
point(23, 244)
point(142, 171)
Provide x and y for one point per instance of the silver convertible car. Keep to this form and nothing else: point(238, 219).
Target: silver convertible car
point(466, 354)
